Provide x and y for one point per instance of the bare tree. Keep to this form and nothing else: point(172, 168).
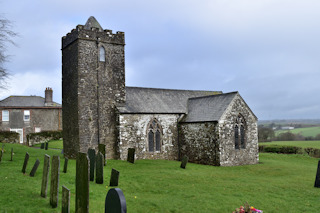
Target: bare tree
point(6, 37)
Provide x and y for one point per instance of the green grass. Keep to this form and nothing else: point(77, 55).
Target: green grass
point(280, 183)
point(302, 144)
point(54, 144)
point(306, 132)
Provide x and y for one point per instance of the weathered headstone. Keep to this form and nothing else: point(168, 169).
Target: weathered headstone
point(11, 154)
point(45, 176)
point(184, 162)
point(1, 154)
point(317, 182)
point(26, 158)
point(34, 168)
point(65, 167)
point(92, 158)
point(54, 186)
point(114, 179)
point(82, 183)
point(102, 149)
point(42, 146)
point(131, 152)
point(99, 168)
point(65, 200)
point(115, 201)
point(46, 147)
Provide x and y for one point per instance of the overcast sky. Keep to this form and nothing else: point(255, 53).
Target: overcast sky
point(268, 50)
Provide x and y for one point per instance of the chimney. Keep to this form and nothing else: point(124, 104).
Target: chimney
point(48, 97)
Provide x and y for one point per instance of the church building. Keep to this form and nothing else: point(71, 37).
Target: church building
point(210, 127)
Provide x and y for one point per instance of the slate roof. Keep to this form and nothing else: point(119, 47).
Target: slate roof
point(151, 100)
point(208, 108)
point(25, 101)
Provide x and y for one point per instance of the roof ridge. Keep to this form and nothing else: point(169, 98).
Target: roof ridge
point(171, 89)
point(208, 96)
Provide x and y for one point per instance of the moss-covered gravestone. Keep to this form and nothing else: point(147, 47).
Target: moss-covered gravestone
point(42, 146)
point(34, 168)
point(92, 158)
point(114, 179)
point(45, 176)
point(46, 146)
point(115, 201)
point(54, 186)
point(82, 183)
point(65, 200)
point(317, 182)
point(131, 152)
point(184, 162)
point(102, 149)
point(99, 168)
point(25, 163)
point(65, 167)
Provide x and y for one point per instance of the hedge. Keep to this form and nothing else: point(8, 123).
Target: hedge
point(313, 152)
point(41, 137)
point(9, 137)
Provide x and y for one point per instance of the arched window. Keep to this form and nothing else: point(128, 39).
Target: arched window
point(240, 133)
point(154, 136)
point(102, 54)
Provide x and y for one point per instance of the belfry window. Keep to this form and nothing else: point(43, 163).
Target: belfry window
point(154, 136)
point(240, 133)
point(102, 54)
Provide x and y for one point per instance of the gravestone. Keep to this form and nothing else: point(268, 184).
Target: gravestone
point(65, 200)
point(34, 168)
point(1, 154)
point(131, 152)
point(317, 182)
point(11, 154)
point(26, 158)
point(102, 149)
point(42, 146)
point(54, 186)
point(46, 147)
point(184, 162)
point(99, 168)
point(82, 183)
point(92, 158)
point(45, 176)
point(114, 179)
point(115, 201)
point(65, 167)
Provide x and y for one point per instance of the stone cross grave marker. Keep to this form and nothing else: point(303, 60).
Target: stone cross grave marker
point(82, 183)
point(54, 186)
point(65, 200)
point(131, 152)
point(65, 167)
point(42, 146)
point(184, 162)
point(99, 168)
point(34, 168)
point(114, 179)
point(92, 158)
point(46, 147)
point(115, 201)
point(11, 154)
point(317, 182)
point(102, 149)
point(45, 176)
point(25, 163)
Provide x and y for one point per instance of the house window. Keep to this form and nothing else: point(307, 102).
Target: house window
point(240, 133)
point(102, 54)
point(5, 115)
point(26, 115)
point(37, 129)
point(154, 136)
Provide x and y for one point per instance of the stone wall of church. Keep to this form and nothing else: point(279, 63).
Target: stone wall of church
point(198, 141)
point(229, 156)
point(133, 130)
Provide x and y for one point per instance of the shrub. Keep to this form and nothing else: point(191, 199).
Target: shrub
point(313, 152)
point(9, 137)
point(281, 149)
point(41, 137)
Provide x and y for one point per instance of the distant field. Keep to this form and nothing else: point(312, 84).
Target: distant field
point(302, 144)
point(306, 132)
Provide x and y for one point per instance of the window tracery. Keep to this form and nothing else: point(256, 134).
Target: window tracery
point(240, 132)
point(154, 136)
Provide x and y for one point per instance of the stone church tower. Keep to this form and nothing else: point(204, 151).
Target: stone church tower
point(93, 82)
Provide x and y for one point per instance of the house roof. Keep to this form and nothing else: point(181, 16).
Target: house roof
point(152, 100)
point(25, 101)
point(208, 108)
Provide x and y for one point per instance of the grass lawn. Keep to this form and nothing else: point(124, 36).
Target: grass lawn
point(54, 144)
point(280, 183)
point(308, 131)
point(302, 144)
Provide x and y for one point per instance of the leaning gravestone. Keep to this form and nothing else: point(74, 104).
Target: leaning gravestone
point(317, 182)
point(82, 183)
point(42, 146)
point(114, 179)
point(115, 201)
point(184, 162)
point(131, 152)
point(99, 168)
point(92, 158)
point(34, 168)
point(26, 158)
point(46, 147)
point(65, 200)
point(11, 154)
point(102, 149)
point(54, 186)
point(65, 167)
point(45, 176)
